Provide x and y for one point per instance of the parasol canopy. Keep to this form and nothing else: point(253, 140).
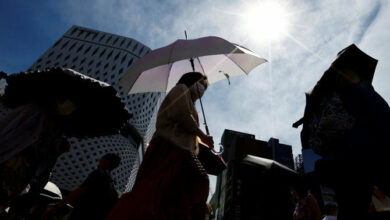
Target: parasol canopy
point(100, 110)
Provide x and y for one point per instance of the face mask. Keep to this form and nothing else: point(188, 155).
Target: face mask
point(198, 88)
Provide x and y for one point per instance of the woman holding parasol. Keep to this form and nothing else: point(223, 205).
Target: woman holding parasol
point(171, 182)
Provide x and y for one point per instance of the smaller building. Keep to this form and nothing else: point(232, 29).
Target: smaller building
point(229, 139)
point(272, 149)
point(281, 153)
point(254, 190)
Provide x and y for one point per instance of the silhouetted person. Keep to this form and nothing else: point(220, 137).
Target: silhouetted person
point(350, 130)
point(97, 195)
point(31, 140)
point(306, 207)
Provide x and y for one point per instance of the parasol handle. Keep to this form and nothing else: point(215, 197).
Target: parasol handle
point(201, 106)
point(192, 64)
point(221, 149)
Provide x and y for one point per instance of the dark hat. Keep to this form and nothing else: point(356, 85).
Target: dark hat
point(353, 58)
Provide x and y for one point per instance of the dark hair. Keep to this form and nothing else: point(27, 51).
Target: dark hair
point(190, 78)
point(113, 160)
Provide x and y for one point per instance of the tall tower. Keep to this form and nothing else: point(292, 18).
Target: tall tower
point(105, 57)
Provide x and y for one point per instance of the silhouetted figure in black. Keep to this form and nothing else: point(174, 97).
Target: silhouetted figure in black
point(348, 123)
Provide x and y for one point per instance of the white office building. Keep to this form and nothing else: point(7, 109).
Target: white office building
point(105, 57)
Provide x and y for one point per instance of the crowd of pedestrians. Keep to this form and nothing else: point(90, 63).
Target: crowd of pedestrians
point(346, 121)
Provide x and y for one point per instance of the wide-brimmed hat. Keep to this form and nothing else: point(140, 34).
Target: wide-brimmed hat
point(353, 58)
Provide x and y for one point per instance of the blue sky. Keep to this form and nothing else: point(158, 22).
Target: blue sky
point(266, 102)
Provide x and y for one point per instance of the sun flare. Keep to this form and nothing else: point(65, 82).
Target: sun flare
point(266, 20)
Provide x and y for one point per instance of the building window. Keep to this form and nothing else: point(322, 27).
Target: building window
point(73, 45)
point(116, 57)
point(101, 38)
point(123, 41)
point(81, 47)
point(88, 33)
point(101, 54)
point(128, 44)
point(123, 58)
point(94, 36)
point(64, 45)
point(135, 46)
point(86, 51)
point(116, 40)
point(130, 62)
point(80, 33)
point(96, 50)
point(108, 39)
point(109, 55)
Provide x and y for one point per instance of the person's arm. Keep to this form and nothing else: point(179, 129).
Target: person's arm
point(73, 196)
point(313, 205)
point(208, 140)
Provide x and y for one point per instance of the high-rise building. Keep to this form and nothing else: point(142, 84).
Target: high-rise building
point(282, 153)
point(105, 57)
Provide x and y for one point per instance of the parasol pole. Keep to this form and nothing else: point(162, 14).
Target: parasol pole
point(204, 117)
point(200, 98)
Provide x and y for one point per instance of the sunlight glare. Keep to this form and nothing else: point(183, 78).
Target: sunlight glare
point(266, 20)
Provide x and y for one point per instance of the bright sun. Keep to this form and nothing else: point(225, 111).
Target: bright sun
point(266, 20)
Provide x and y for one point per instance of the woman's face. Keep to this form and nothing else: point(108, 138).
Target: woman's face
point(199, 89)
